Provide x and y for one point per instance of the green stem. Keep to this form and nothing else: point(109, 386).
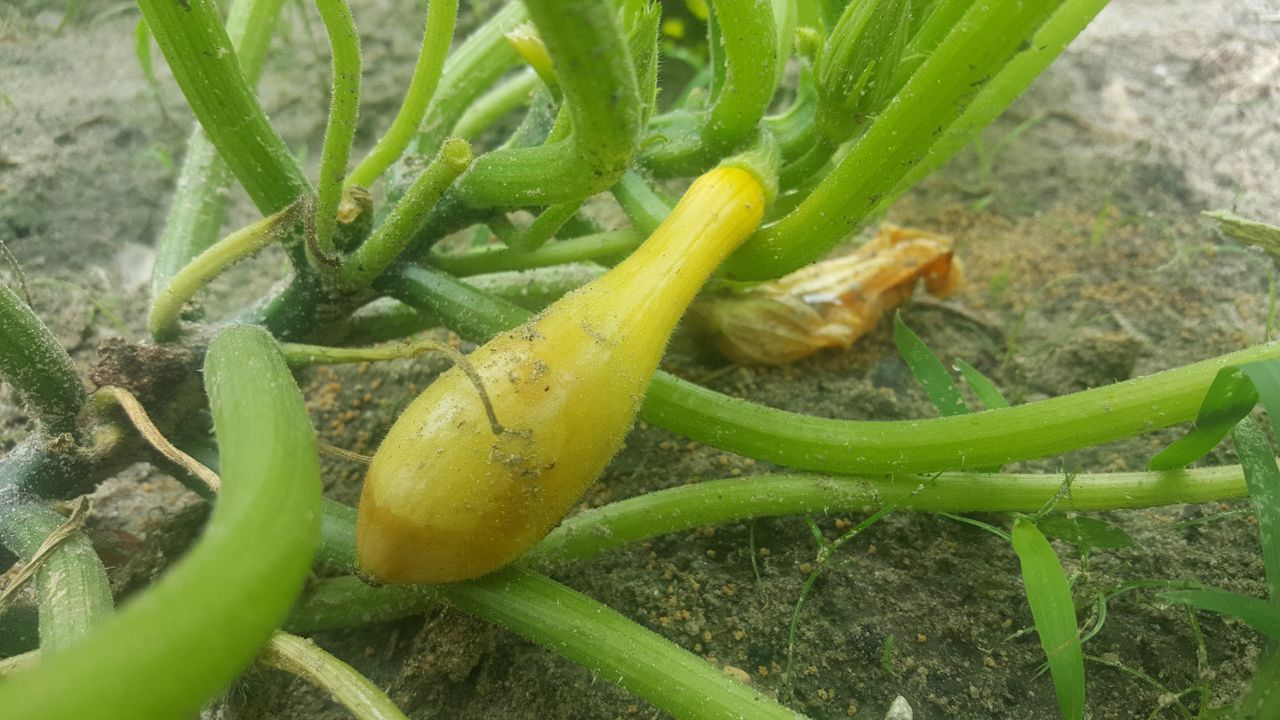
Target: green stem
point(793, 128)
point(643, 205)
point(408, 216)
point(985, 39)
point(719, 502)
point(593, 64)
point(483, 58)
point(748, 38)
point(183, 639)
point(200, 54)
point(71, 584)
point(40, 371)
point(977, 440)
point(547, 224)
point(492, 258)
point(344, 110)
point(199, 199)
point(560, 619)
point(303, 658)
point(1000, 92)
point(245, 242)
point(491, 107)
point(442, 15)
point(611, 646)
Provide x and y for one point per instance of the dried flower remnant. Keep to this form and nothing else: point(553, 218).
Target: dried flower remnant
point(831, 303)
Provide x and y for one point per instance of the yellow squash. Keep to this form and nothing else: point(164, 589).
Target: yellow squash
point(446, 499)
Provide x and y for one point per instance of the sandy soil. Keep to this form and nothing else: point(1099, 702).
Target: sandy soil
point(1087, 264)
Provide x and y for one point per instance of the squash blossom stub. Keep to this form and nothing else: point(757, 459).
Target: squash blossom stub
point(446, 500)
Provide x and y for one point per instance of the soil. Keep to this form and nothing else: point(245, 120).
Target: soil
point(1087, 262)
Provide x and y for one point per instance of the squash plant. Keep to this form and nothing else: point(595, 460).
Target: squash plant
point(814, 113)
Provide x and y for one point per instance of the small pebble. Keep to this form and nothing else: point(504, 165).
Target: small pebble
point(899, 710)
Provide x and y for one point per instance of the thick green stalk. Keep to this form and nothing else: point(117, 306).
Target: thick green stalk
point(195, 216)
point(71, 584)
point(998, 94)
point(552, 615)
point(717, 502)
point(977, 440)
point(344, 110)
point(406, 218)
point(985, 39)
point(612, 646)
point(593, 64)
point(36, 366)
point(683, 145)
point(183, 639)
point(442, 15)
point(344, 602)
point(493, 258)
point(203, 60)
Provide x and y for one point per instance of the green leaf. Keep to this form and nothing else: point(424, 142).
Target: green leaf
point(1263, 478)
point(1252, 232)
point(1255, 612)
point(928, 370)
point(1054, 613)
point(987, 392)
point(1230, 397)
point(1263, 700)
point(1084, 532)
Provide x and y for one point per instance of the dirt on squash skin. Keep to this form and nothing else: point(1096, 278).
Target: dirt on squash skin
point(1086, 261)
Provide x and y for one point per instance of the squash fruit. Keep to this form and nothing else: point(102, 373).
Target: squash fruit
point(445, 499)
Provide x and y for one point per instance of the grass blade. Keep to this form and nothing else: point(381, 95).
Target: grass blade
point(1054, 613)
point(928, 370)
point(1254, 612)
point(1230, 397)
point(987, 392)
point(1248, 231)
point(1263, 478)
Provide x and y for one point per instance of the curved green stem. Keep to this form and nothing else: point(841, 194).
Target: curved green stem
point(794, 127)
point(303, 658)
point(406, 218)
point(717, 502)
point(245, 242)
point(199, 199)
point(491, 107)
point(472, 68)
point(71, 584)
point(344, 110)
point(593, 64)
point(200, 54)
point(643, 205)
point(492, 258)
point(182, 640)
point(611, 646)
point(40, 371)
point(748, 36)
point(977, 440)
point(998, 94)
point(565, 621)
point(442, 15)
point(547, 224)
point(985, 39)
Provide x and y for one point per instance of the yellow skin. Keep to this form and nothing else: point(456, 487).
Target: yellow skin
point(446, 500)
